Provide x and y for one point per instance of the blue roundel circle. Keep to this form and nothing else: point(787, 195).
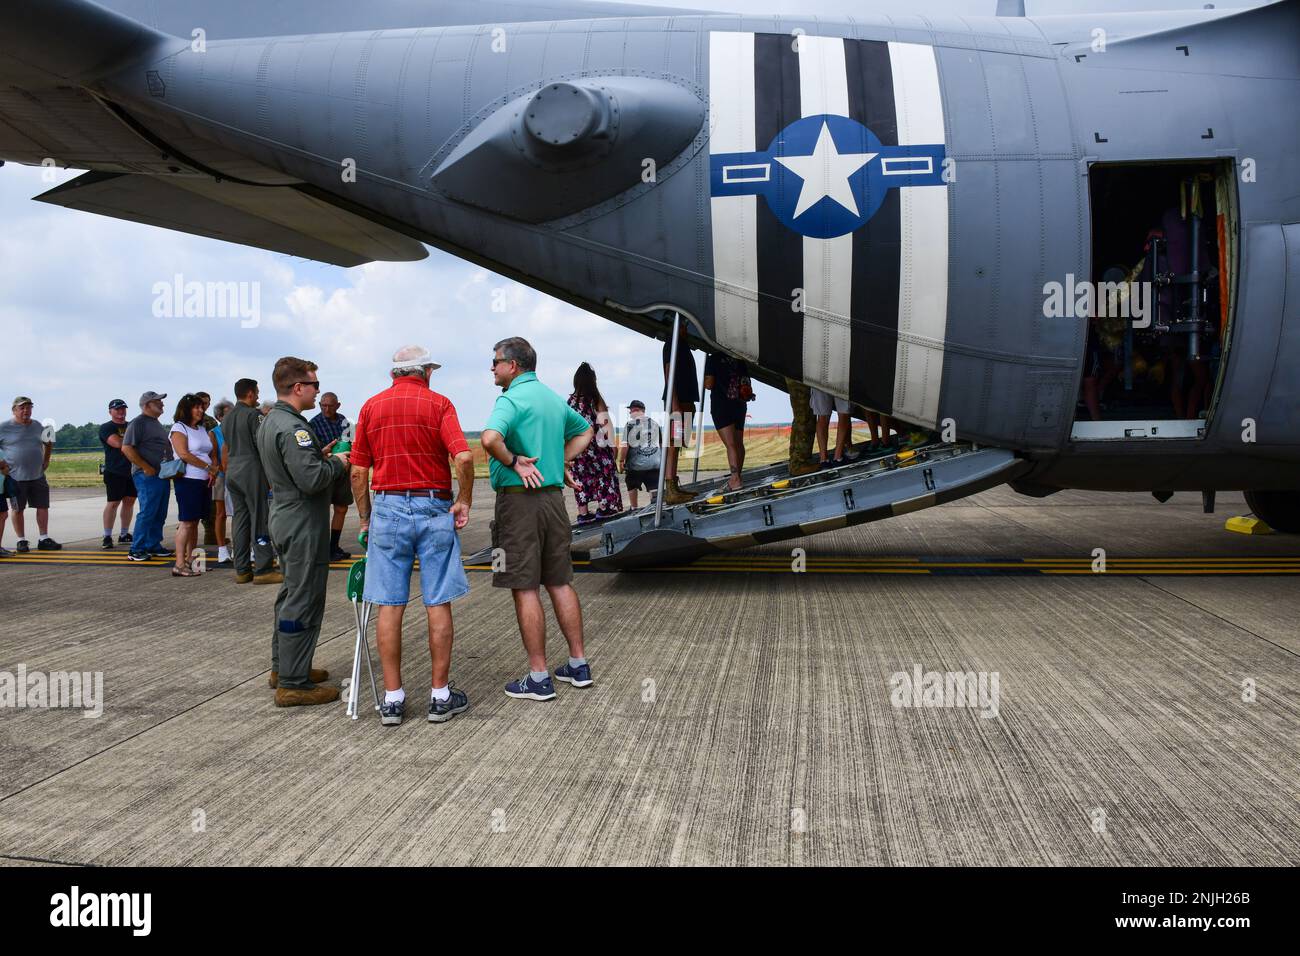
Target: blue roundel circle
point(825, 176)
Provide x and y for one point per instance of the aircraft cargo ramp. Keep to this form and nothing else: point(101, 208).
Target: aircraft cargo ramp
point(773, 506)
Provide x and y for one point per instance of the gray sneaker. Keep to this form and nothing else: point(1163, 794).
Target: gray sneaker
point(6, 553)
point(390, 715)
point(440, 710)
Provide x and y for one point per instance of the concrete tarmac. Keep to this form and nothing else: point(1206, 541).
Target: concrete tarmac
point(741, 714)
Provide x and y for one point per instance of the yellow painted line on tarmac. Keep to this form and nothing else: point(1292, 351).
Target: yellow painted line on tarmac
point(1085, 565)
point(938, 569)
point(786, 570)
point(1244, 559)
point(101, 559)
point(95, 559)
point(87, 562)
point(867, 564)
point(1172, 570)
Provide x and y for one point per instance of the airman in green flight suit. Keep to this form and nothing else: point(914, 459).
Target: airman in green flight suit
point(302, 474)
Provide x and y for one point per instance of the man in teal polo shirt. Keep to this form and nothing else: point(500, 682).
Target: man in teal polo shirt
point(530, 438)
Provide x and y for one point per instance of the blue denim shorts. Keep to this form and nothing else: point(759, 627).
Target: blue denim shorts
point(403, 529)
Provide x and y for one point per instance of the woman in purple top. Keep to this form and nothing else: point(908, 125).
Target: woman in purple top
point(594, 470)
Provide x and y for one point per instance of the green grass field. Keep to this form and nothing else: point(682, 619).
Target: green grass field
point(75, 469)
point(764, 445)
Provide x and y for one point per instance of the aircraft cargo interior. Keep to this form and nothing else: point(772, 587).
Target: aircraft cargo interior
point(1163, 267)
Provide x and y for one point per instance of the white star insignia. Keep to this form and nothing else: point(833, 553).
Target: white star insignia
point(825, 174)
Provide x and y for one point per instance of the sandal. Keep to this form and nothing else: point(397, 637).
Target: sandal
point(185, 571)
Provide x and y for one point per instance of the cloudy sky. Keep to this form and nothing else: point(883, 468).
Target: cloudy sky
point(77, 303)
point(77, 309)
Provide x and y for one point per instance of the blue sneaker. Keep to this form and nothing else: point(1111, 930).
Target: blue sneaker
point(579, 676)
point(440, 710)
point(528, 689)
point(390, 714)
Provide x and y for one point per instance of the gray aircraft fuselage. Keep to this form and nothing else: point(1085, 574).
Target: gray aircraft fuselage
point(873, 207)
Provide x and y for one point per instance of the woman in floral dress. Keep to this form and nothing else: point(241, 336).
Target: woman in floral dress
point(594, 470)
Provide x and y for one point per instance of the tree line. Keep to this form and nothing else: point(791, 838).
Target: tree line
point(78, 437)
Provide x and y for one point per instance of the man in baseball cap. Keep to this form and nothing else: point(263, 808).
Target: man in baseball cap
point(638, 454)
point(119, 489)
point(145, 445)
point(26, 454)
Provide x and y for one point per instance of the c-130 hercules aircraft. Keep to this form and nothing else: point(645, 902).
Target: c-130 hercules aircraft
point(885, 208)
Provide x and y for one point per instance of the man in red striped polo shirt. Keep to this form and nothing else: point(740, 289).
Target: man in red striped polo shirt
point(406, 434)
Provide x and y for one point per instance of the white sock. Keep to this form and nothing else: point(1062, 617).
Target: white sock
point(440, 693)
point(45, 537)
point(395, 696)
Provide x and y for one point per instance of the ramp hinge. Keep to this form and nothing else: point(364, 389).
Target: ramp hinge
point(767, 516)
point(686, 526)
point(928, 475)
point(609, 544)
point(848, 499)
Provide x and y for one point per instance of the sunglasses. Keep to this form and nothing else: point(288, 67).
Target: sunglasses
point(315, 385)
point(498, 361)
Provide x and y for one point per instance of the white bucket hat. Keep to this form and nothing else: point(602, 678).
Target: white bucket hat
point(416, 359)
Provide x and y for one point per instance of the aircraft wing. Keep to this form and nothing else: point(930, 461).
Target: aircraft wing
point(257, 18)
point(278, 218)
point(47, 43)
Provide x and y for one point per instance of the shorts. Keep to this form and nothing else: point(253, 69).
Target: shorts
point(401, 530)
point(822, 403)
point(192, 499)
point(531, 529)
point(341, 491)
point(728, 412)
point(642, 480)
point(35, 493)
point(117, 487)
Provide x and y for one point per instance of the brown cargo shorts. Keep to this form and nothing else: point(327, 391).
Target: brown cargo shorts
point(531, 531)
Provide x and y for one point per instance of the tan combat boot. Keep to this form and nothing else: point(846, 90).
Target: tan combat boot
point(301, 697)
point(673, 494)
point(269, 577)
point(318, 675)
